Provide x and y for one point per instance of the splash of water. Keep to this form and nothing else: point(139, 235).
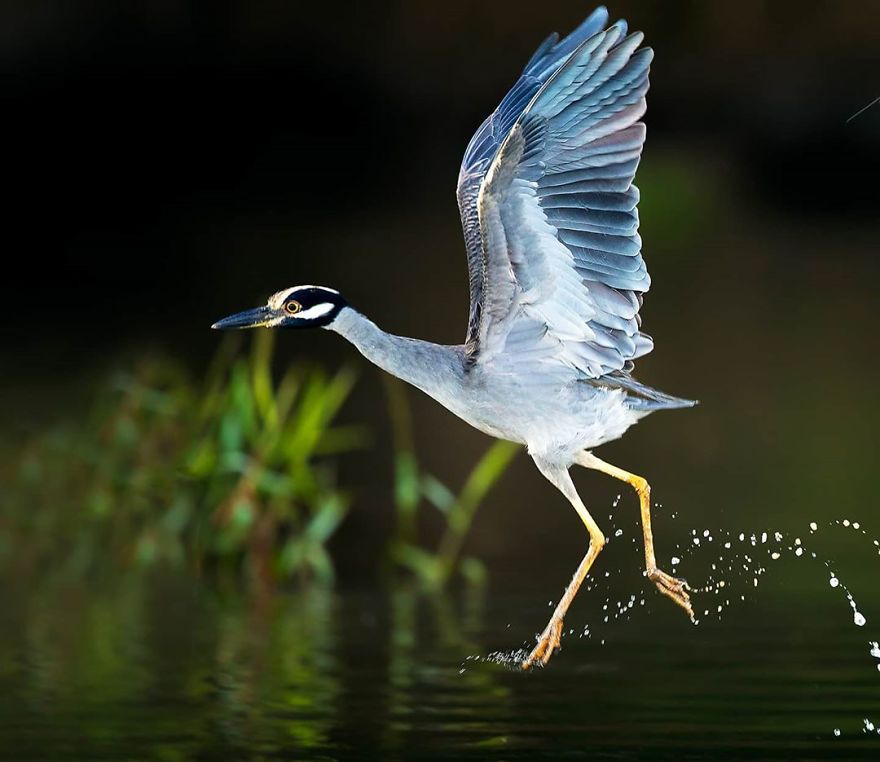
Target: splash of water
point(740, 562)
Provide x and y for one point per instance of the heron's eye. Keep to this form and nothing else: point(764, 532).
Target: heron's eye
point(292, 307)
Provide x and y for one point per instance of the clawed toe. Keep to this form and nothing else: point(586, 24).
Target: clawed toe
point(548, 643)
point(550, 640)
point(674, 588)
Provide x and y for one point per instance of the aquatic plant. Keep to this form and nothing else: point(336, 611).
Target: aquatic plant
point(233, 472)
point(415, 487)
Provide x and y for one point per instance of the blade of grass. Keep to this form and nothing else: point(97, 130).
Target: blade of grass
point(482, 478)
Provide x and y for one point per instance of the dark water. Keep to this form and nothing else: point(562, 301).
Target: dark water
point(169, 668)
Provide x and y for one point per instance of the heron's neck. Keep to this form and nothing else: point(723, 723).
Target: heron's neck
point(436, 369)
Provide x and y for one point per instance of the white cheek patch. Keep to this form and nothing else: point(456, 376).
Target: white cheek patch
point(314, 312)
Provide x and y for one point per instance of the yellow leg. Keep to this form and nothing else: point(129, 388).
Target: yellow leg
point(549, 639)
point(671, 587)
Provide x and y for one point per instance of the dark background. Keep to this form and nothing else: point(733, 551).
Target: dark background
point(167, 163)
point(170, 162)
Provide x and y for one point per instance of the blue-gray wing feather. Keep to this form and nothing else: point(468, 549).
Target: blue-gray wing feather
point(484, 145)
point(555, 215)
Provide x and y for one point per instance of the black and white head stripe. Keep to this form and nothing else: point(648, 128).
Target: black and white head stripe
point(276, 301)
point(306, 306)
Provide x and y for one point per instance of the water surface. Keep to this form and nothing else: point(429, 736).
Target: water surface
point(171, 668)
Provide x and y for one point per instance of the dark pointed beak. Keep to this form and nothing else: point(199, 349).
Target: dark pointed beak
point(255, 318)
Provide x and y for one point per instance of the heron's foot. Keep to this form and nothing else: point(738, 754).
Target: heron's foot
point(549, 642)
point(672, 587)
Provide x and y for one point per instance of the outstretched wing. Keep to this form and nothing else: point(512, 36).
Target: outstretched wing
point(561, 269)
point(486, 141)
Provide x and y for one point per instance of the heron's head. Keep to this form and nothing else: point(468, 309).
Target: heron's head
point(297, 307)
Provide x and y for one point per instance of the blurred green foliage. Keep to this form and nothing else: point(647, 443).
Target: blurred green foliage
point(415, 487)
point(232, 472)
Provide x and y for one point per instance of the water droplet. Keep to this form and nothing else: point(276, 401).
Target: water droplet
point(846, 522)
point(774, 556)
point(856, 525)
point(763, 537)
point(837, 731)
point(859, 619)
point(618, 533)
point(813, 526)
point(834, 582)
point(676, 560)
point(799, 551)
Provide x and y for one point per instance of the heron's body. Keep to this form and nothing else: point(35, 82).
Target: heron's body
point(550, 219)
point(567, 417)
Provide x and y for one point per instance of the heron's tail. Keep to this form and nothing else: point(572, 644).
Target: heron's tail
point(643, 398)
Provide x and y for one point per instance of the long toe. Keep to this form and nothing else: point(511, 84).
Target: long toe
point(549, 642)
point(674, 588)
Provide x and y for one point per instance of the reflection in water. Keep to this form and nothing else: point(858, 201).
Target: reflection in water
point(170, 668)
point(281, 650)
point(207, 670)
point(424, 623)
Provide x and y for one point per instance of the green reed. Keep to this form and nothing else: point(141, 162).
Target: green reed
point(232, 472)
point(415, 487)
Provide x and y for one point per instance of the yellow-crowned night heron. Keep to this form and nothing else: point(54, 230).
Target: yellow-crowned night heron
point(548, 208)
